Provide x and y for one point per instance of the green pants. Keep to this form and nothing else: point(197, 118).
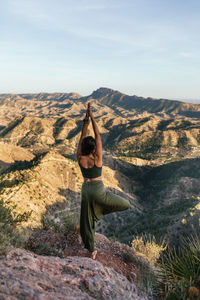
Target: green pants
point(96, 202)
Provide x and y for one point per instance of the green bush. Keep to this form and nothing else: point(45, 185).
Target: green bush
point(66, 223)
point(183, 142)
point(180, 270)
point(9, 234)
point(47, 250)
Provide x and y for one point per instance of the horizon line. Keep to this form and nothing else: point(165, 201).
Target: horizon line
point(73, 92)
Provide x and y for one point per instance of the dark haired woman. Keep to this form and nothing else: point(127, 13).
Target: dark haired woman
point(95, 201)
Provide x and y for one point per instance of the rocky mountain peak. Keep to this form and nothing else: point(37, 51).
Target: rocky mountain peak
point(102, 92)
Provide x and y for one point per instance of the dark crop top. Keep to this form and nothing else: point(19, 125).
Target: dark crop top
point(93, 172)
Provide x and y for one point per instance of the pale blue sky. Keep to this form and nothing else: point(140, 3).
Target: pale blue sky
point(140, 47)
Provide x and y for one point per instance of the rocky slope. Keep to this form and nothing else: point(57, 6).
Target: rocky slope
point(26, 275)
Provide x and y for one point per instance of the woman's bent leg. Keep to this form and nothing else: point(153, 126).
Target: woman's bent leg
point(113, 203)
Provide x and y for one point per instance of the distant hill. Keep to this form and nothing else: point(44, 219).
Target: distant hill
point(139, 104)
point(73, 105)
point(194, 101)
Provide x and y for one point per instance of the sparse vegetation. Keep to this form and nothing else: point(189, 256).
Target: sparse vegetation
point(198, 138)
point(54, 231)
point(146, 148)
point(36, 127)
point(183, 142)
point(11, 126)
point(48, 250)
point(28, 140)
point(150, 251)
point(9, 234)
point(163, 124)
point(31, 137)
point(25, 165)
point(65, 222)
point(75, 131)
point(58, 126)
point(159, 220)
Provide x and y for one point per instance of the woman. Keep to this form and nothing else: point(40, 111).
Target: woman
point(95, 201)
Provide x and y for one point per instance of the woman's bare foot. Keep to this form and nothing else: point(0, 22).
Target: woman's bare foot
point(94, 254)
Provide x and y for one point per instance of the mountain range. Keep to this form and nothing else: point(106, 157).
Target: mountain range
point(151, 157)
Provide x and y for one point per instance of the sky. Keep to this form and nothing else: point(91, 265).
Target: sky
point(148, 48)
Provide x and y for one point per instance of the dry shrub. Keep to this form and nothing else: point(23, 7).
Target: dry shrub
point(147, 246)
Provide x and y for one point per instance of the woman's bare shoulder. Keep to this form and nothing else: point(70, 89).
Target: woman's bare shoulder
point(81, 158)
point(98, 160)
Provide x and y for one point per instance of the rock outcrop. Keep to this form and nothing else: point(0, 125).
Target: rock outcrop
point(26, 275)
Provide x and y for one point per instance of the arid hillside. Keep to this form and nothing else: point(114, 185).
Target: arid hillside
point(130, 125)
point(49, 186)
point(105, 102)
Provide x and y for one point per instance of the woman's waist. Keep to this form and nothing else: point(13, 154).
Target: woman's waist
point(93, 181)
point(93, 189)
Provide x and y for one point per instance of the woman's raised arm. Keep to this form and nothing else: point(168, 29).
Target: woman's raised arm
point(83, 133)
point(99, 150)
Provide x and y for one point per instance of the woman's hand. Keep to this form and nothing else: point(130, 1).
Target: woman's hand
point(89, 111)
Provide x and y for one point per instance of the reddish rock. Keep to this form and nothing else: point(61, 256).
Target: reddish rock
point(25, 275)
point(113, 275)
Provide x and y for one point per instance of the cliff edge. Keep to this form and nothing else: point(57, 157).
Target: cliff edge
point(27, 275)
